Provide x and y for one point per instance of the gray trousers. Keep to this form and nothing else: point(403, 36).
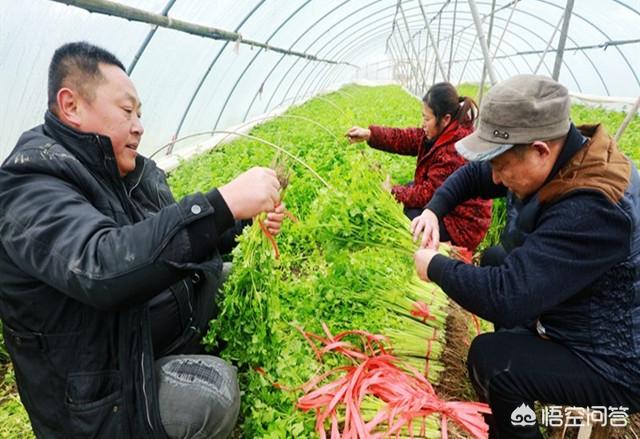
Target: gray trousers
point(198, 395)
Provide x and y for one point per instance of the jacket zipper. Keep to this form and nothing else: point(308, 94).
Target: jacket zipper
point(130, 191)
point(118, 186)
point(191, 322)
point(144, 392)
point(125, 199)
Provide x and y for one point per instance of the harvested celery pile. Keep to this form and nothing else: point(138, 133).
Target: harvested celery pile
point(347, 262)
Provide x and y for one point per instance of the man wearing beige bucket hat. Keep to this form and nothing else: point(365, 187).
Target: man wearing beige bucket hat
point(564, 286)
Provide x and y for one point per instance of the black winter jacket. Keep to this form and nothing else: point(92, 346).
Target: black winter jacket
point(82, 251)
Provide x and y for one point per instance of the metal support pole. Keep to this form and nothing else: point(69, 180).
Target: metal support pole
point(453, 31)
point(401, 68)
point(549, 43)
point(405, 68)
point(145, 43)
point(426, 57)
point(630, 115)
point(435, 49)
point(260, 90)
point(408, 57)
point(394, 63)
point(393, 25)
point(107, 7)
point(407, 71)
point(241, 76)
point(504, 29)
point(397, 62)
point(413, 47)
point(563, 39)
point(418, 63)
point(457, 45)
point(285, 76)
point(484, 69)
point(483, 43)
point(464, 68)
point(206, 75)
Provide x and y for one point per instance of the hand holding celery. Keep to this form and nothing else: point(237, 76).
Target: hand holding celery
point(252, 192)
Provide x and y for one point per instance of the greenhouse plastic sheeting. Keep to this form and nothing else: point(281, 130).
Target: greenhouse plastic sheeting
point(190, 84)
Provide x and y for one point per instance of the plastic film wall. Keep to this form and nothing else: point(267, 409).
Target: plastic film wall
point(190, 83)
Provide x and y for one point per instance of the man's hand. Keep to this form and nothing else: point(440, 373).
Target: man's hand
point(256, 190)
point(427, 224)
point(273, 223)
point(422, 259)
point(357, 134)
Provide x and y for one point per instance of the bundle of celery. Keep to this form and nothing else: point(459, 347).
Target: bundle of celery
point(347, 262)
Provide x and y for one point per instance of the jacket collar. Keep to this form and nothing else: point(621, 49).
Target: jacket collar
point(452, 132)
point(600, 166)
point(91, 149)
point(575, 141)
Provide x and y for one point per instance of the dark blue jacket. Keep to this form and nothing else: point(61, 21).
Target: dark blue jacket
point(574, 255)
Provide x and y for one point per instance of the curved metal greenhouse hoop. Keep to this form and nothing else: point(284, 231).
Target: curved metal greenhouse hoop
point(624, 57)
point(364, 28)
point(147, 39)
point(374, 37)
point(342, 92)
point(327, 78)
point(325, 72)
point(282, 57)
point(289, 116)
point(568, 67)
point(226, 102)
point(296, 61)
point(564, 63)
point(334, 105)
point(213, 62)
point(258, 139)
point(347, 46)
point(286, 116)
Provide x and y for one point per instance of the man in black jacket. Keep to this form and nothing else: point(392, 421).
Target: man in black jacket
point(103, 272)
point(566, 290)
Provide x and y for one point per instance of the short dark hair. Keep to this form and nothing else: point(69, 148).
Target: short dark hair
point(520, 149)
point(77, 64)
point(443, 99)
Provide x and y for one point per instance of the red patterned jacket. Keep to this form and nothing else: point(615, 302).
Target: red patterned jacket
point(469, 222)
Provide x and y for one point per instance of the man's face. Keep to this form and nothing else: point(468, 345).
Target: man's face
point(522, 172)
point(114, 112)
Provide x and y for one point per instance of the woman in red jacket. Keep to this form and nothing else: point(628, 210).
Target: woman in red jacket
point(447, 118)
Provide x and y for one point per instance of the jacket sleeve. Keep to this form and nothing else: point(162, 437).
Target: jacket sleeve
point(444, 163)
point(404, 141)
point(228, 240)
point(472, 180)
point(575, 242)
point(54, 234)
